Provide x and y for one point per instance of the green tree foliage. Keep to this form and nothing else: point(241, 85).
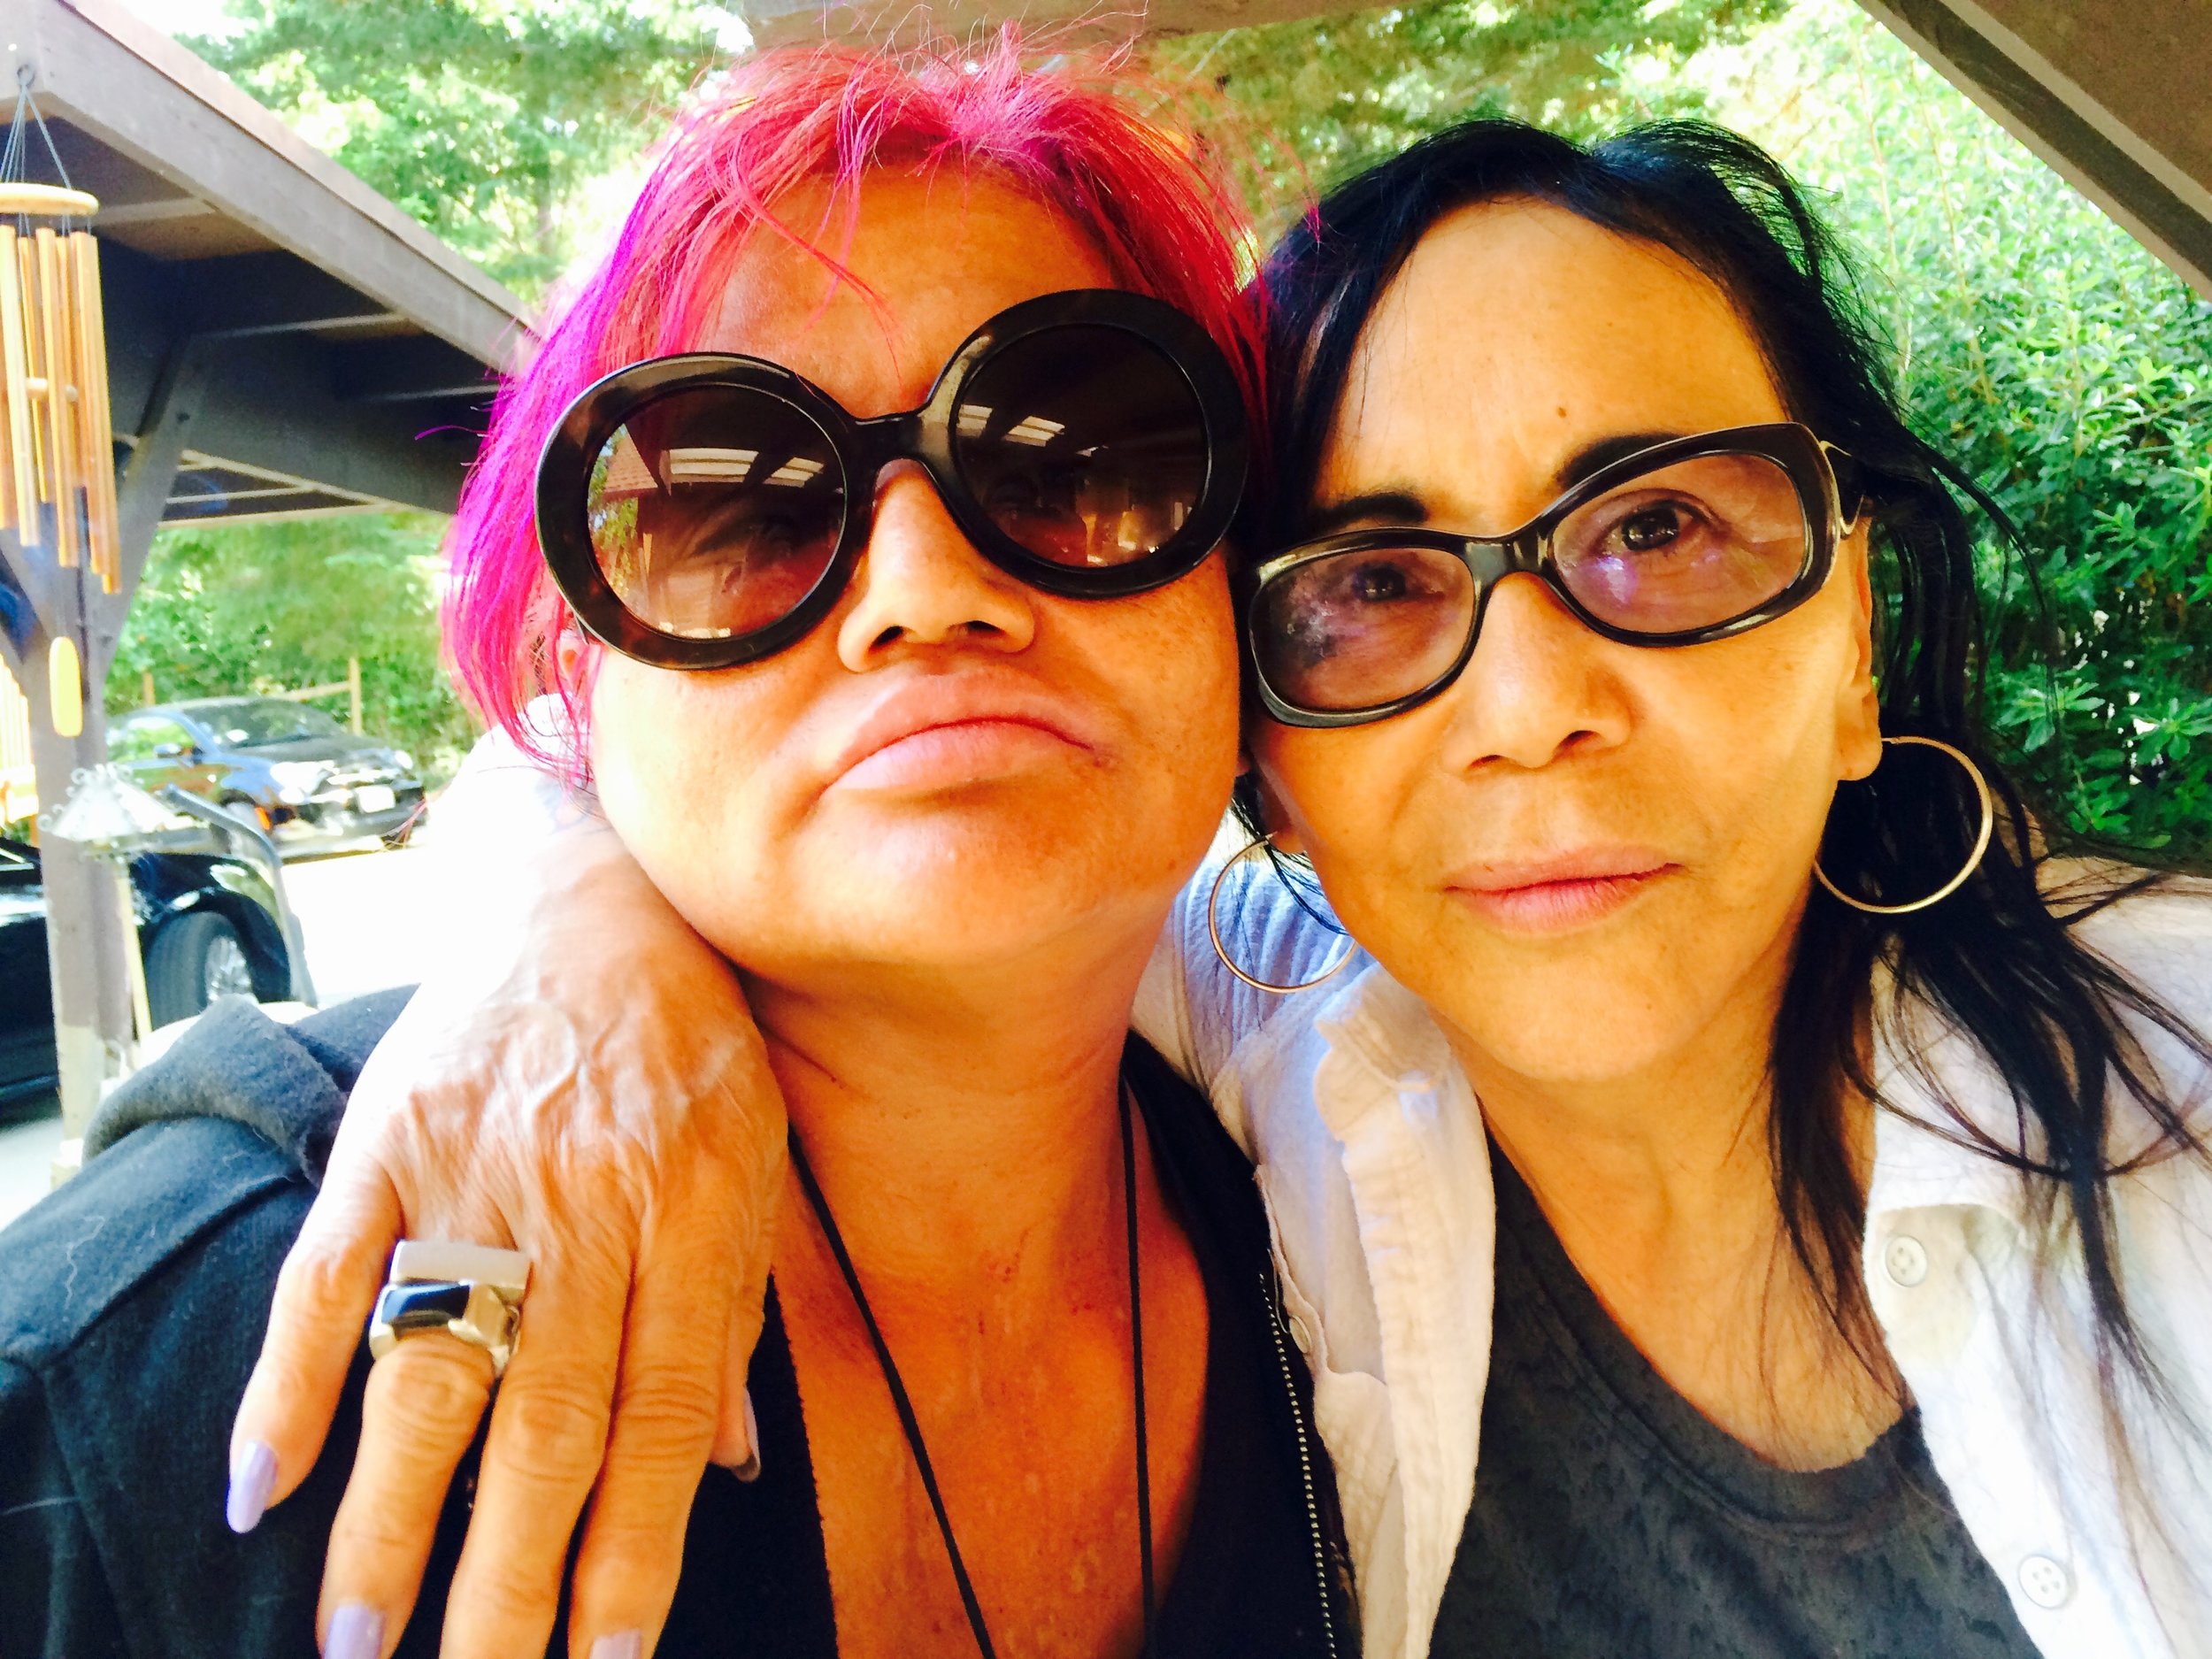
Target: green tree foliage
point(2066, 368)
point(486, 120)
point(1320, 99)
point(278, 606)
point(2037, 342)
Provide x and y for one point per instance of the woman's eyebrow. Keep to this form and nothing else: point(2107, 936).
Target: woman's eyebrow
point(1377, 506)
point(1595, 456)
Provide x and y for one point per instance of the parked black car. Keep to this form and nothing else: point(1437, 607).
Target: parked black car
point(311, 783)
point(207, 927)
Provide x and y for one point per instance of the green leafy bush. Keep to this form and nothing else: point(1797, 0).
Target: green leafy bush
point(2066, 368)
point(2038, 342)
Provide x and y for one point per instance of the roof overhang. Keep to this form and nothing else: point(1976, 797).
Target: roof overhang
point(2115, 94)
point(351, 352)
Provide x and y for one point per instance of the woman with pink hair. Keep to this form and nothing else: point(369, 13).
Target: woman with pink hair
point(883, 463)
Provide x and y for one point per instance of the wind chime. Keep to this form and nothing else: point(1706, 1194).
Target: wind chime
point(57, 436)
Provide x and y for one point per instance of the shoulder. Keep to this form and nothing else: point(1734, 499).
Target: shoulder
point(286, 1082)
point(133, 1302)
point(134, 1214)
point(232, 1121)
point(2156, 930)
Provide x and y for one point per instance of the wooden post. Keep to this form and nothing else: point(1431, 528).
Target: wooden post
point(146, 688)
point(86, 946)
point(85, 942)
point(353, 690)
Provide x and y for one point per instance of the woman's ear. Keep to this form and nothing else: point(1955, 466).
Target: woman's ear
point(1858, 707)
point(572, 650)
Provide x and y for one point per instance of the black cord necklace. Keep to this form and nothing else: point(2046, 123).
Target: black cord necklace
point(905, 1407)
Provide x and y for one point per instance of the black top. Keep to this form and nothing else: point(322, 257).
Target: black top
point(1246, 1582)
point(1610, 1517)
point(133, 1303)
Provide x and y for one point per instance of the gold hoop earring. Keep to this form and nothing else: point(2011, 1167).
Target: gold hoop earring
point(1213, 927)
point(1973, 859)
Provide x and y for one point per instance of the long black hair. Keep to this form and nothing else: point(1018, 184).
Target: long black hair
point(1994, 959)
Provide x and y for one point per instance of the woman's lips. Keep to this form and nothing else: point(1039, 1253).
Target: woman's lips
point(1557, 894)
point(941, 731)
point(963, 751)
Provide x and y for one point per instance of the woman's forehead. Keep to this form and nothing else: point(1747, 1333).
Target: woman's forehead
point(1518, 334)
point(926, 259)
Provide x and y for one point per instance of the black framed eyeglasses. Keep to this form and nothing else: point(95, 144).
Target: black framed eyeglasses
point(1686, 541)
point(704, 510)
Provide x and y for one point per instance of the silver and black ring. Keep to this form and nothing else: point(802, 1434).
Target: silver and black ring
point(470, 1291)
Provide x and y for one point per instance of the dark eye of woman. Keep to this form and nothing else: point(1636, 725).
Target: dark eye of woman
point(1654, 528)
point(1376, 584)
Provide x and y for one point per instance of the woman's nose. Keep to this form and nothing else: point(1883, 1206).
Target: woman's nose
point(920, 583)
point(1539, 687)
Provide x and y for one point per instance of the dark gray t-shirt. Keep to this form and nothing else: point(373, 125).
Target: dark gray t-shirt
point(1612, 1519)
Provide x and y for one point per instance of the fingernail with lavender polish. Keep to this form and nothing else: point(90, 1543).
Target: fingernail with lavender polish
point(749, 1470)
point(627, 1644)
point(252, 1472)
point(357, 1632)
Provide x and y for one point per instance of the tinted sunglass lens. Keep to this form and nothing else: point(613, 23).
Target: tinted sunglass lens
point(1084, 445)
point(1692, 545)
point(1359, 630)
point(714, 511)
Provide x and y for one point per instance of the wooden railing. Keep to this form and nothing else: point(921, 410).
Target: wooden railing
point(350, 685)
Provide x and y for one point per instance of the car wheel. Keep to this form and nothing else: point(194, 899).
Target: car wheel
point(193, 960)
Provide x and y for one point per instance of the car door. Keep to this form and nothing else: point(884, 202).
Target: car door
point(159, 750)
point(26, 996)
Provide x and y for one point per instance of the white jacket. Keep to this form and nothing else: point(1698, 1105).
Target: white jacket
point(1375, 1169)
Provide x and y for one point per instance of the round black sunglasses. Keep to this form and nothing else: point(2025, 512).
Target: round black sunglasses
point(1686, 542)
point(704, 510)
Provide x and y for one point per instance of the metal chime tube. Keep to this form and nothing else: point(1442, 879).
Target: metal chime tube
point(95, 447)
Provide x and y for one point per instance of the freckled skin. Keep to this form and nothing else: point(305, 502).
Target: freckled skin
point(1054, 877)
point(799, 885)
point(1723, 755)
point(1622, 1063)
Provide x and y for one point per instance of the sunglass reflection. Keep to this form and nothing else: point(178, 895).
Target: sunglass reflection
point(704, 510)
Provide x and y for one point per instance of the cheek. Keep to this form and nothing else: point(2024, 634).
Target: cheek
point(667, 750)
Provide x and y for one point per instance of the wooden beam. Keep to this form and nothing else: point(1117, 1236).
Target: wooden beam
point(130, 88)
point(87, 960)
point(88, 950)
point(144, 490)
point(2111, 93)
point(252, 293)
point(408, 370)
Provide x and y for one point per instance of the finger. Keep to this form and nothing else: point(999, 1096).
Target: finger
point(548, 1434)
point(735, 1440)
point(667, 1409)
point(324, 1293)
point(418, 1414)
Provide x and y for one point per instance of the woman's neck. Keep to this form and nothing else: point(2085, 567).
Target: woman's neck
point(965, 1131)
point(1659, 1184)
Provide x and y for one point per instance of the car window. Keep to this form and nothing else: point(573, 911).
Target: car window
point(256, 722)
point(138, 738)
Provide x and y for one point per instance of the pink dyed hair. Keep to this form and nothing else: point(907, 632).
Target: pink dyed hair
point(1070, 136)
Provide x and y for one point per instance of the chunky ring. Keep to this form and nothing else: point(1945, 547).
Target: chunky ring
point(471, 1291)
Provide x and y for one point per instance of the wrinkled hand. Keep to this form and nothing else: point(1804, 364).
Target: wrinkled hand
point(592, 1092)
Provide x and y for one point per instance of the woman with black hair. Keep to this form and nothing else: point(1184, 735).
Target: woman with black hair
point(1731, 1118)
